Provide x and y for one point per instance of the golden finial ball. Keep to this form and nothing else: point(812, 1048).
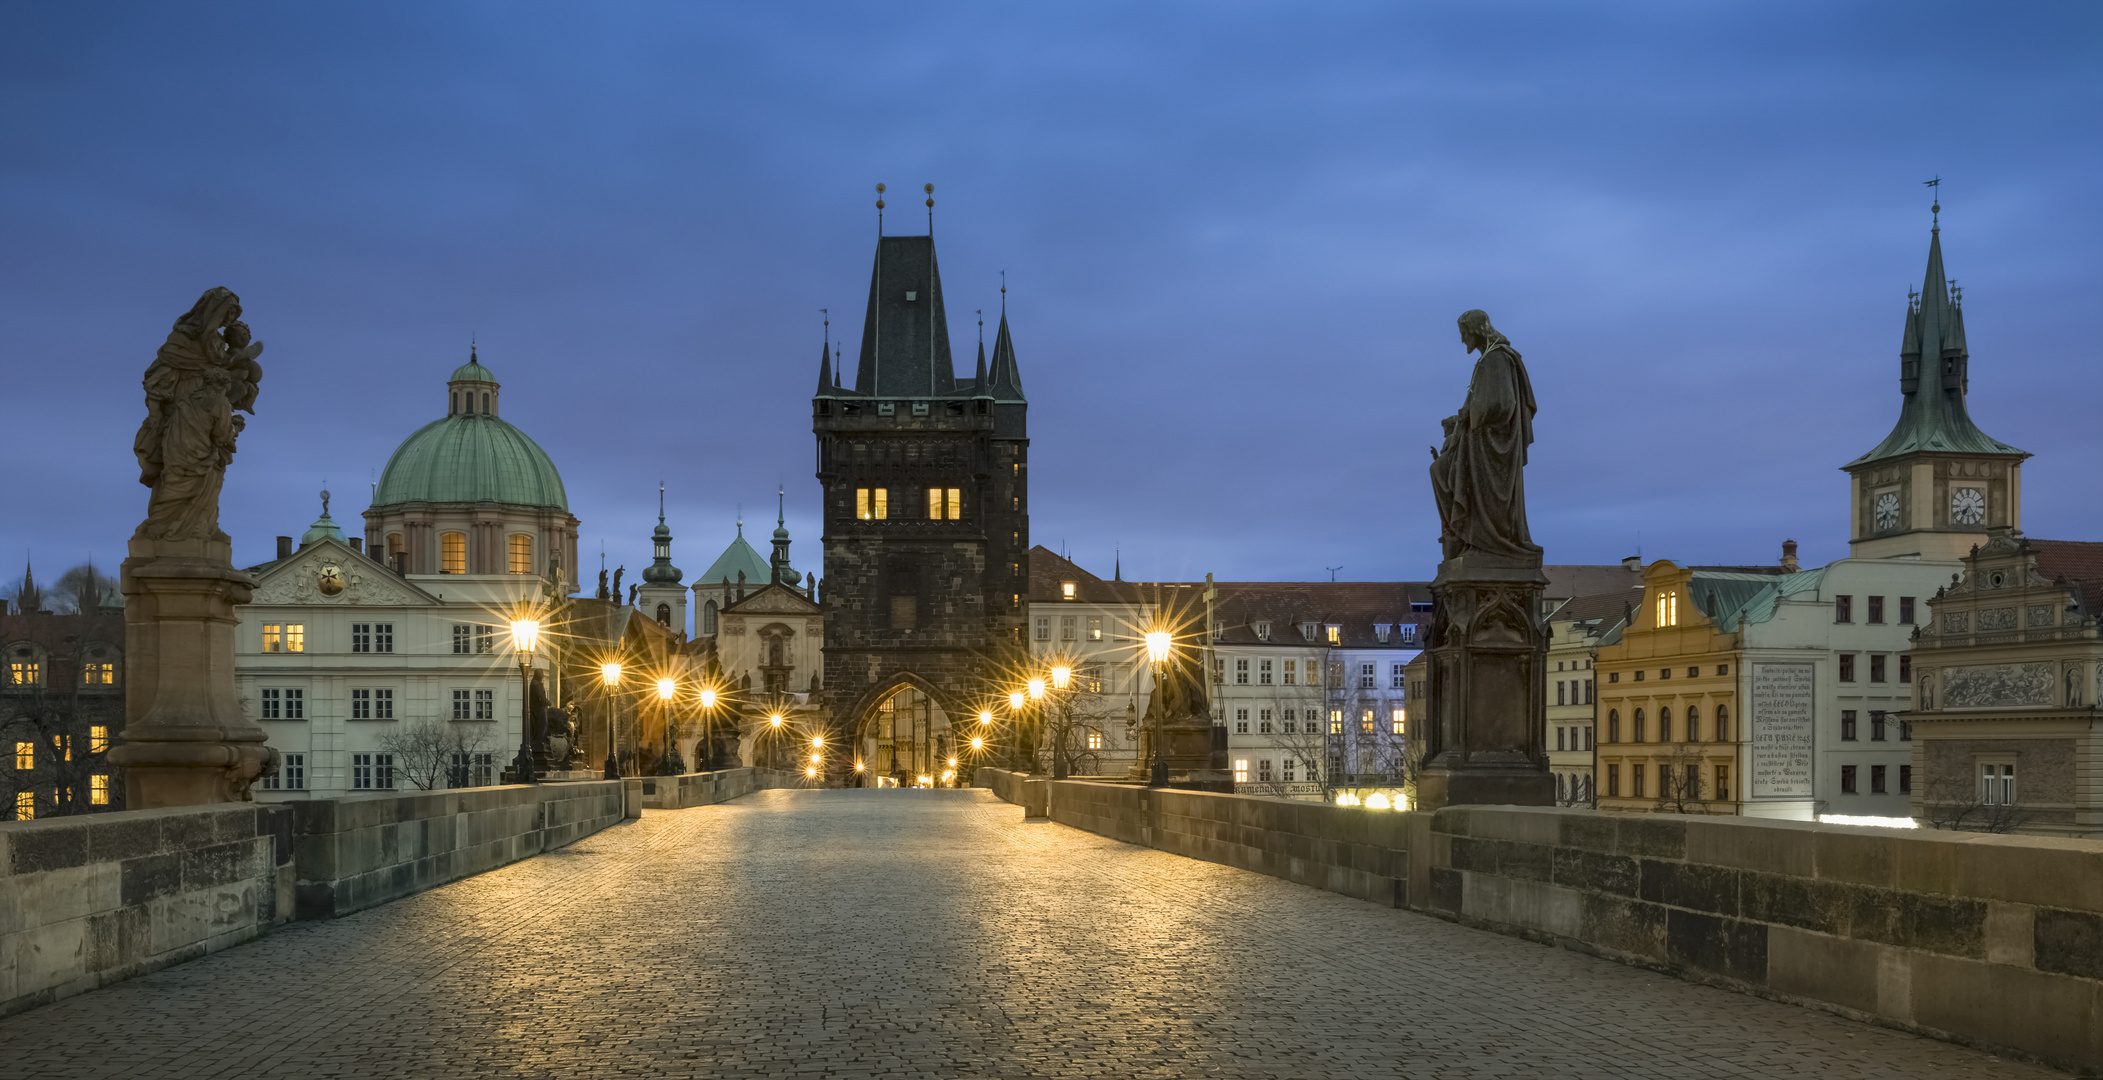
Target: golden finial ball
point(879, 189)
point(930, 189)
point(879, 204)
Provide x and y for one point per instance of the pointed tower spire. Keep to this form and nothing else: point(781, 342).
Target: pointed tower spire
point(825, 376)
point(1117, 569)
point(978, 381)
point(1007, 377)
point(661, 571)
point(780, 570)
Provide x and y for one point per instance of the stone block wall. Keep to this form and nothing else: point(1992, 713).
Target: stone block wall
point(708, 788)
point(353, 853)
point(89, 900)
point(1994, 941)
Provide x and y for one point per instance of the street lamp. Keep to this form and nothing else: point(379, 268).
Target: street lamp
point(670, 765)
point(708, 762)
point(1036, 692)
point(1061, 677)
point(610, 674)
point(1158, 648)
point(525, 634)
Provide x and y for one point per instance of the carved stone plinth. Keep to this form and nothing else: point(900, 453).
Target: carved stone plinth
point(185, 740)
point(1489, 657)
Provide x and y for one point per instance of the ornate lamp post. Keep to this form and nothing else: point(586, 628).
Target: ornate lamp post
point(708, 762)
point(610, 674)
point(1061, 680)
point(1036, 692)
point(1159, 646)
point(1015, 721)
point(525, 634)
point(817, 757)
point(669, 765)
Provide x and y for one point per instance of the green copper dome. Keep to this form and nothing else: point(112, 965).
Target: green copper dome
point(471, 457)
point(472, 371)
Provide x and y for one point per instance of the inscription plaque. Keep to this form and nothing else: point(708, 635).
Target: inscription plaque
point(1783, 730)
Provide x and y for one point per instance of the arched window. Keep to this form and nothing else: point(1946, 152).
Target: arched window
point(485, 404)
point(1613, 725)
point(664, 614)
point(1665, 724)
point(708, 617)
point(1723, 723)
point(521, 552)
point(1693, 723)
point(395, 552)
point(1639, 726)
point(452, 553)
point(456, 401)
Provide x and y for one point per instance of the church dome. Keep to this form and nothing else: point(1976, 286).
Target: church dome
point(471, 456)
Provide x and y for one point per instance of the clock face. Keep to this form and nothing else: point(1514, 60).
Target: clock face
point(1967, 506)
point(330, 580)
point(1887, 511)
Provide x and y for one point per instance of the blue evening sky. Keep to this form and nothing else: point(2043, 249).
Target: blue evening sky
point(1236, 235)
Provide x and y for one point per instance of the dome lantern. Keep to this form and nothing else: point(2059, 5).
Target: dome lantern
point(472, 389)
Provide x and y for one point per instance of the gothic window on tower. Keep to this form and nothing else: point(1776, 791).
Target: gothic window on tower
point(664, 614)
point(521, 553)
point(872, 504)
point(708, 617)
point(452, 553)
point(955, 498)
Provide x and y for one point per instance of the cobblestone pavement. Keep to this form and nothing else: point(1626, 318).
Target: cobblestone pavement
point(920, 934)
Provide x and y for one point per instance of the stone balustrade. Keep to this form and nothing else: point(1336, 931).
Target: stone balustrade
point(1993, 941)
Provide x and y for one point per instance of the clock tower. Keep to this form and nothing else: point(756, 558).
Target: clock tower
point(1934, 486)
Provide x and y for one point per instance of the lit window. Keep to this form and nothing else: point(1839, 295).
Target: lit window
point(24, 673)
point(861, 503)
point(98, 739)
point(1095, 628)
point(99, 789)
point(956, 503)
point(880, 502)
point(1394, 720)
point(1292, 674)
point(25, 805)
point(1066, 589)
point(521, 553)
point(1241, 770)
point(1336, 634)
point(1336, 721)
point(452, 553)
point(1668, 609)
point(98, 674)
point(1095, 739)
point(1365, 721)
point(284, 637)
point(934, 504)
point(25, 756)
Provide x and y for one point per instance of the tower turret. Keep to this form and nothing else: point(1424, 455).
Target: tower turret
point(661, 596)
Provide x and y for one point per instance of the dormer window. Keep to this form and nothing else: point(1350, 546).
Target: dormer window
point(1380, 632)
point(1336, 634)
point(1066, 590)
point(1668, 609)
point(1307, 631)
point(1263, 632)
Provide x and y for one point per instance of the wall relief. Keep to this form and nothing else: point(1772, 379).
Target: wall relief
point(2041, 615)
point(2000, 618)
point(1998, 685)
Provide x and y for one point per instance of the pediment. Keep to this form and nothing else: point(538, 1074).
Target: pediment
point(773, 600)
point(297, 580)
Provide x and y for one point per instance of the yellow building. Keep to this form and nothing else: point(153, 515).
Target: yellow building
point(1667, 686)
point(1575, 631)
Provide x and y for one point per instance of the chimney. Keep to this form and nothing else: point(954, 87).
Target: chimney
point(1633, 562)
point(284, 547)
point(1789, 556)
point(357, 544)
point(401, 564)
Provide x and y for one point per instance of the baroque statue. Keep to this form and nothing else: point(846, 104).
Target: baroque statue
point(1478, 477)
point(203, 375)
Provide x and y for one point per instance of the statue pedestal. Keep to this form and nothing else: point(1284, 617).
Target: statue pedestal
point(185, 740)
point(1489, 660)
point(1193, 756)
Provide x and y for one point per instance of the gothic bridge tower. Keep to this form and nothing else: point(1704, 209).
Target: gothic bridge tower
point(926, 509)
point(1934, 486)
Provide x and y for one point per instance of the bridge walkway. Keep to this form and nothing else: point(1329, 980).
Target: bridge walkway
point(921, 934)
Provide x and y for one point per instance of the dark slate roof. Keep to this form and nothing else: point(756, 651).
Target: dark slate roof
point(905, 343)
point(2080, 562)
point(1354, 606)
point(1571, 580)
point(1934, 418)
point(1006, 377)
point(1601, 612)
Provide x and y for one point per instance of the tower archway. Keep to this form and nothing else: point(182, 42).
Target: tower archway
point(905, 733)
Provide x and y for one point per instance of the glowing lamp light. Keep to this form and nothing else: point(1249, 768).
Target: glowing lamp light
point(948, 776)
point(816, 758)
point(525, 633)
point(1376, 802)
point(610, 674)
point(1061, 676)
point(985, 716)
point(666, 688)
point(1157, 646)
point(817, 740)
point(1015, 700)
point(857, 766)
point(1036, 689)
point(708, 699)
point(775, 719)
point(813, 771)
point(978, 744)
point(952, 763)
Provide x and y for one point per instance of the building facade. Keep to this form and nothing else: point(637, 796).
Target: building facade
point(926, 509)
point(2008, 670)
point(61, 702)
point(1575, 631)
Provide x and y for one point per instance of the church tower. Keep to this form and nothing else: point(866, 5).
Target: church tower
point(1934, 486)
point(926, 481)
point(661, 596)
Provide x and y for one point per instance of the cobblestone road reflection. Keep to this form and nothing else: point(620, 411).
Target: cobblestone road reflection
point(910, 934)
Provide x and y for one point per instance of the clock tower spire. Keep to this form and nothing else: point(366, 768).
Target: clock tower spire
point(1934, 486)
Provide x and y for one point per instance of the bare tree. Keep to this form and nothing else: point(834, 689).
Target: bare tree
point(1953, 800)
point(1679, 782)
point(428, 752)
point(49, 732)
